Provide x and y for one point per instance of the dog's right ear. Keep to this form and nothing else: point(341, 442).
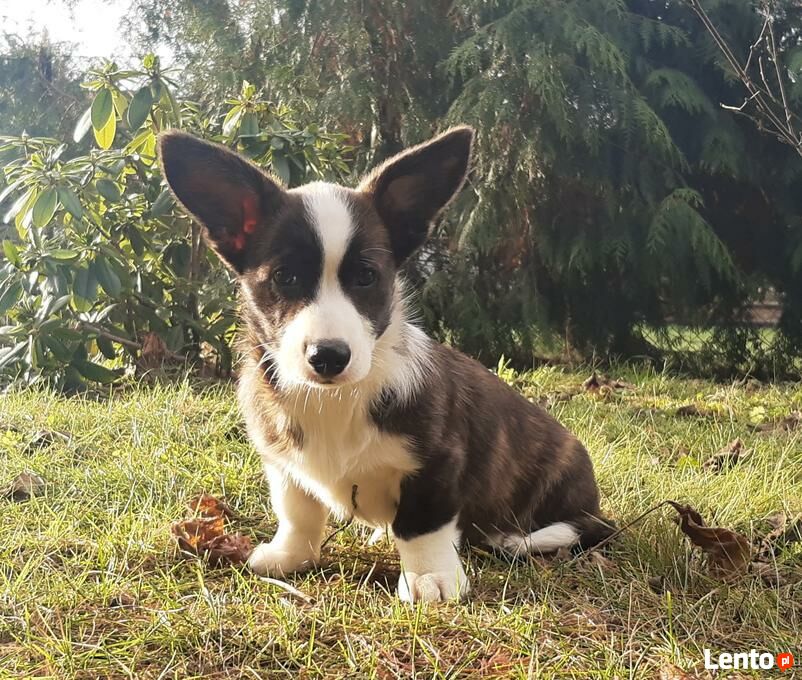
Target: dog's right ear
point(229, 195)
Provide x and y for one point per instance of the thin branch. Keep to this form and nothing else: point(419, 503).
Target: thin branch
point(125, 342)
point(769, 109)
point(776, 59)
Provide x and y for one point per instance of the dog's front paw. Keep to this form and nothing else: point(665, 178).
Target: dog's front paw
point(432, 587)
point(277, 559)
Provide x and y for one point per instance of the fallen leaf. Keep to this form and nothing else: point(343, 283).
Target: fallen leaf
point(233, 548)
point(598, 381)
point(787, 424)
point(783, 531)
point(44, 438)
point(767, 572)
point(672, 672)
point(207, 505)
point(205, 534)
point(692, 410)
point(604, 563)
point(194, 535)
point(728, 552)
point(728, 457)
point(25, 485)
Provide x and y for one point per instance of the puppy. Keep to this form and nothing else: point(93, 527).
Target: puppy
point(353, 409)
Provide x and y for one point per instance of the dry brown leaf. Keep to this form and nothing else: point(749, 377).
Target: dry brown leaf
point(787, 424)
point(783, 531)
point(728, 552)
point(597, 382)
point(672, 672)
point(728, 457)
point(25, 485)
point(205, 535)
point(194, 535)
point(232, 548)
point(604, 563)
point(693, 411)
point(207, 505)
point(767, 572)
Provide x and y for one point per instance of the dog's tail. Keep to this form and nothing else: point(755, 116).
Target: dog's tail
point(593, 530)
point(579, 534)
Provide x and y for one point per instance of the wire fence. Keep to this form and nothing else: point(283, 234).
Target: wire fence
point(752, 345)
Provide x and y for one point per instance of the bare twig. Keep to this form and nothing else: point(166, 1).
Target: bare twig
point(620, 530)
point(775, 57)
point(287, 588)
point(771, 113)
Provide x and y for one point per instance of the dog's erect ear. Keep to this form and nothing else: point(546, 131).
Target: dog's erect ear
point(229, 195)
point(409, 189)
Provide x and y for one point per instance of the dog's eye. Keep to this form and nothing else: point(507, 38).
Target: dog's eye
point(366, 276)
point(284, 278)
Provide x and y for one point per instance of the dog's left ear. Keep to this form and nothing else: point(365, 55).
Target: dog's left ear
point(410, 189)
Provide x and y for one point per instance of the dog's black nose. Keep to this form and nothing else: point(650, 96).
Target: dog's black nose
point(328, 357)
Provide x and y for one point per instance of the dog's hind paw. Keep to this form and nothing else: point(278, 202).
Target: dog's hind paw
point(433, 587)
point(274, 559)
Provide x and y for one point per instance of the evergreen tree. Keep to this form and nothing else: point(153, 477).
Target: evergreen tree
point(611, 191)
point(38, 86)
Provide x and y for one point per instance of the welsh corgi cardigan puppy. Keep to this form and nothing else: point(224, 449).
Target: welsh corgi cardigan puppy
point(353, 409)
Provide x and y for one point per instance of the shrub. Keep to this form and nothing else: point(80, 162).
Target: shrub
point(97, 257)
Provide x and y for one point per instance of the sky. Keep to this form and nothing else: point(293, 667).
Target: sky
point(92, 25)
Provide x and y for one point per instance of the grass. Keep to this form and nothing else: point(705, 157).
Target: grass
point(91, 584)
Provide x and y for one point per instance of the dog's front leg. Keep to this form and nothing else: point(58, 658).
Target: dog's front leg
point(426, 533)
point(301, 522)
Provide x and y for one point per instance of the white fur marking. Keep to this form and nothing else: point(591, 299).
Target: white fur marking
point(331, 315)
point(301, 521)
point(431, 567)
point(548, 539)
point(331, 218)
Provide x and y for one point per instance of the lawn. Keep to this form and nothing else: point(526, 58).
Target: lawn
point(92, 584)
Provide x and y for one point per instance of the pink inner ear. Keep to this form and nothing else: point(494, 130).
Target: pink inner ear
point(250, 214)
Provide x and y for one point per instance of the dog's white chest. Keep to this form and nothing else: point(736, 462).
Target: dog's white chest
point(346, 462)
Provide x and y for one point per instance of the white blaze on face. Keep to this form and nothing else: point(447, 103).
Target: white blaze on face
point(331, 315)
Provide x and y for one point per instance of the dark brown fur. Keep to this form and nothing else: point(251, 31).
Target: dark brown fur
point(504, 464)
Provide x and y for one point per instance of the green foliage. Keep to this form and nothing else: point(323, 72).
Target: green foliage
point(610, 189)
point(96, 255)
point(609, 180)
point(611, 192)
